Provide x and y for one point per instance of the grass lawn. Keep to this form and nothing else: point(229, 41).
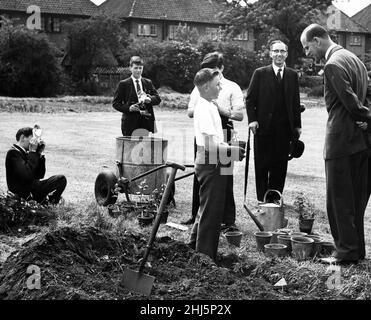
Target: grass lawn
point(80, 145)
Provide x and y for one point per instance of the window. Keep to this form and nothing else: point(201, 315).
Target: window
point(172, 31)
point(212, 32)
point(244, 36)
point(56, 25)
point(51, 24)
point(355, 40)
point(147, 30)
point(174, 28)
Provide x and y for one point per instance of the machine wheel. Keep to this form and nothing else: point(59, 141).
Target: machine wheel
point(104, 186)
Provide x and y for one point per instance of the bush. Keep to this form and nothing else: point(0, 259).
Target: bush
point(94, 42)
point(174, 64)
point(168, 63)
point(239, 64)
point(316, 91)
point(16, 213)
point(28, 63)
point(306, 81)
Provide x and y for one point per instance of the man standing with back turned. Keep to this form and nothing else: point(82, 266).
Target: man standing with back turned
point(345, 150)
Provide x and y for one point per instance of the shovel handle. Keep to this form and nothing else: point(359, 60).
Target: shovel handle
point(163, 202)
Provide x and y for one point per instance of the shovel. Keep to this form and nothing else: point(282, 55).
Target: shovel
point(136, 280)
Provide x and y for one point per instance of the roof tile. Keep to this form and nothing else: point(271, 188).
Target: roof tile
point(205, 11)
point(70, 7)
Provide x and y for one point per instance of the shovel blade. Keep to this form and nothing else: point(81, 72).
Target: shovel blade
point(138, 282)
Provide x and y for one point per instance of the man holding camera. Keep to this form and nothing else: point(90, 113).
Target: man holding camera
point(135, 98)
point(25, 166)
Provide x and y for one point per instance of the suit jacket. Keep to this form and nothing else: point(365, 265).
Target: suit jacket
point(345, 95)
point(261, 98)
point(22, 170)
point(125, 96)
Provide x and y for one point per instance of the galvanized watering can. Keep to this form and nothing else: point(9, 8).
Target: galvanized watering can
point(271, 215)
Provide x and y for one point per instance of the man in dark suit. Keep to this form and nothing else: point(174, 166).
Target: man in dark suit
point(135, 98)
point(25, 166)
point(273, 110)
point(346, 149)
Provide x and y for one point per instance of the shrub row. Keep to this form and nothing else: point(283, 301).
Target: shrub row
point(174, 64)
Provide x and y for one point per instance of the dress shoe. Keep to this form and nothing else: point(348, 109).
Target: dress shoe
point(192, 245)
point(189, 221)
point(338, 261)
point(344, 262)
point(228, 227)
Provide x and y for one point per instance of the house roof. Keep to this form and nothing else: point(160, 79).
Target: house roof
point(362, 19)
point(205, 11)
point(360, 22)
point(69, 7)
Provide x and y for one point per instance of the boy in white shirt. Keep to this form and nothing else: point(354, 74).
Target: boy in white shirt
point(230, 105)
point(211, 153)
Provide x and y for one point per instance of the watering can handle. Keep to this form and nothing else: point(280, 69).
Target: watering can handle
point(279, 193)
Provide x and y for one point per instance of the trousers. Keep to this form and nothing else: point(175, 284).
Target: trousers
point(346, 196)
point(229, 216)
point(206, 229)
point(42, 188)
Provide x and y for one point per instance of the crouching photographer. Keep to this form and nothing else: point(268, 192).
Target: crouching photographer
point(25, 166)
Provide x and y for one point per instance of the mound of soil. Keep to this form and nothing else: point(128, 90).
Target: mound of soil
point(88, 263)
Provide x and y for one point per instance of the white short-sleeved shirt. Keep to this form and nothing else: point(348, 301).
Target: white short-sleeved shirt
point(207, 121)
point(230, 96)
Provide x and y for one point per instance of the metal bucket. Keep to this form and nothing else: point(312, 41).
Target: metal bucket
point(271, 215)
point(137, 155)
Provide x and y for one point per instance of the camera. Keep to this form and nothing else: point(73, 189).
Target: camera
point(37, 132)
point(141, 106)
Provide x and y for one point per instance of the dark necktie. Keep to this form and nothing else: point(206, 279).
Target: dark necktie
point(279, 75)
point(138, 88)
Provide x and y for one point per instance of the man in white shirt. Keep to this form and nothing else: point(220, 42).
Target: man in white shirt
point(230, 104)
point(211, 151)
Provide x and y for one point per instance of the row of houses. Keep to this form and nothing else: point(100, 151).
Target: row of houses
point(158, 19)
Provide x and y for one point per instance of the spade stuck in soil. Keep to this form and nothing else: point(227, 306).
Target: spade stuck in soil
point(137, 280)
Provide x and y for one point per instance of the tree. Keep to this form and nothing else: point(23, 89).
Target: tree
point(28, 62)
point(275, 19)
point(239, 64)
point(93, 42)
point(186, 34)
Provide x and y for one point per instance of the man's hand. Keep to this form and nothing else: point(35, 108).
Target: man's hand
point(134, 108)
point(362, 125)
point(297, 133)
point(41, 147)
point(254, 126)
point(147, 99)
point(237, 153)
point(33, 145)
